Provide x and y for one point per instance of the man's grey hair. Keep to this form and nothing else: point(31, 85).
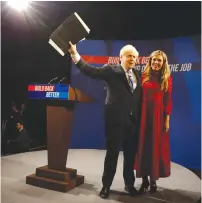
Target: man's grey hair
point(129, 48)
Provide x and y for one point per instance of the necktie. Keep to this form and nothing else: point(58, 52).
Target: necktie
point(131, 81)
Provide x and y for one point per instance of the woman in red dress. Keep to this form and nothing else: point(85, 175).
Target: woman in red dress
point(153, 156)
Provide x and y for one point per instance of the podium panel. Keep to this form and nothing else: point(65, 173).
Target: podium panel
point(59, 122)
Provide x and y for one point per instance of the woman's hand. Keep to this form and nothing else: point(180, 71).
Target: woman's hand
point(166, 125)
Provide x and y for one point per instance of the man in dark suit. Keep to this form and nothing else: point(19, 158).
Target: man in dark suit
point(122, 113)
point(22, 142)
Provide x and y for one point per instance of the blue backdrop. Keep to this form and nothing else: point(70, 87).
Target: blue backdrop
point(185, 63)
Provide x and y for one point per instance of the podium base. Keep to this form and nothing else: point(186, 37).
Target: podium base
point(61, 181)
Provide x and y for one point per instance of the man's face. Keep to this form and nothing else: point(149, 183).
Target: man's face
point(22, 106)
point(157, 62)
point(18, 126)
point(128, 59)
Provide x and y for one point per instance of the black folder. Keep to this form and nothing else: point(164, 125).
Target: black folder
point(72, 29)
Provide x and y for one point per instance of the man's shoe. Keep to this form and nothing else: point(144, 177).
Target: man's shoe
point(131, 190)
point(104, 193)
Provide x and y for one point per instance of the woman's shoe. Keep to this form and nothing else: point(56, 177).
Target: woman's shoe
point(144, 187)
point(153, 186)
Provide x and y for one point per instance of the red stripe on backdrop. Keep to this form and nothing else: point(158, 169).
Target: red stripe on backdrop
point(95, 59)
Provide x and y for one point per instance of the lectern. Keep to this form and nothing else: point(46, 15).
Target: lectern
point(61, 101)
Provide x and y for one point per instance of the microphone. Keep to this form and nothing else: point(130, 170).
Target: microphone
point(61, 80)
point(52, 80)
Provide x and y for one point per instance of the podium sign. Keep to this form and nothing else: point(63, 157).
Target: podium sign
point(44, 91)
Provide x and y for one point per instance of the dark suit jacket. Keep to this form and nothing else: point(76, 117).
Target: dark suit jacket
point(23, 140)
point(120, 102)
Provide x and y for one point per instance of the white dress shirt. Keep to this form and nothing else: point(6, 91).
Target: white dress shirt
point(134, 79)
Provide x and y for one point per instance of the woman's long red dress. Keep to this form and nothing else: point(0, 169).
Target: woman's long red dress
point(153, 156)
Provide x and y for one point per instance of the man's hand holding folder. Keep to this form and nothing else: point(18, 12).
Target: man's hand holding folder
point(73, 52)
point(72, 49)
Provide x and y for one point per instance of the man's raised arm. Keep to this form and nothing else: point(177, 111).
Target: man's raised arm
point(102, 73)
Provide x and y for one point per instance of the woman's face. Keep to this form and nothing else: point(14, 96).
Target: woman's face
point(157, 62)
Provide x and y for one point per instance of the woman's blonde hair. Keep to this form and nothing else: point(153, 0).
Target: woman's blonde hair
point(165, 70)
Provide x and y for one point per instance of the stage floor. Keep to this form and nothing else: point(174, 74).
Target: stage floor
point(183, 186)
